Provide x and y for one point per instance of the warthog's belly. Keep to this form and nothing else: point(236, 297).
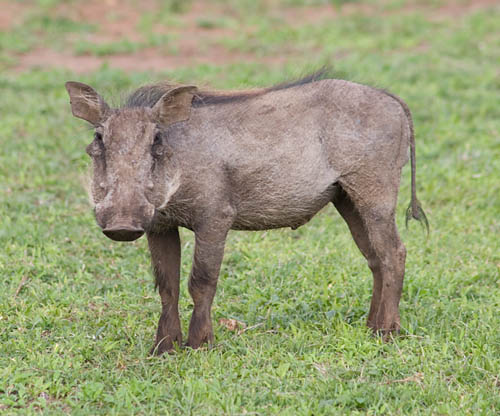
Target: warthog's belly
point(289, 211)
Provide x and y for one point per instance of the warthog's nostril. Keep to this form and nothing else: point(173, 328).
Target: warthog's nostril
point(123, 232)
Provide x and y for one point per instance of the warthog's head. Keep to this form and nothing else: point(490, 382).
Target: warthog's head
point(131, 174)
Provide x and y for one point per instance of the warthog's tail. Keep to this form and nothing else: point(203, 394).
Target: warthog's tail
point(414, 210)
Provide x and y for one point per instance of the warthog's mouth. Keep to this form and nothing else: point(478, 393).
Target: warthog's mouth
point(123, 232)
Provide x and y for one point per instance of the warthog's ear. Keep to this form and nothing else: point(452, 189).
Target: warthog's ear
point(174, 105)
point(86, 103)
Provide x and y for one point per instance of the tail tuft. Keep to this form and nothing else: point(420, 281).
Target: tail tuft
point(415, 211)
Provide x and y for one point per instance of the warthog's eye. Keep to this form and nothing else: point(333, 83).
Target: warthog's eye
point(157, 139)
point(157, 149)
point(97, 146)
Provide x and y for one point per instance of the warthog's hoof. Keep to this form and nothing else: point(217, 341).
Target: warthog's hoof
point(388, 334)
point(385, 328)
point(166, 344)
point(198, 339)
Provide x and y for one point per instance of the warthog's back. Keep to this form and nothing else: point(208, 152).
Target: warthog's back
point(282, 152)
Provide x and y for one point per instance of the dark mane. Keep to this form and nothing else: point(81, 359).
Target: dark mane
point(148, 95)
point(323, 73)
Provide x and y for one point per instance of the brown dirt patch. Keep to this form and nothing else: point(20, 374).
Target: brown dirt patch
point(115, 19)
point(321, 13)
point(192, 42)
point(296, 16)
point(11, 14)
point(149, 59)
point(48, 58)
point(459, 8)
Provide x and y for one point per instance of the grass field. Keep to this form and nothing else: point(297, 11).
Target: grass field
point(78, 312)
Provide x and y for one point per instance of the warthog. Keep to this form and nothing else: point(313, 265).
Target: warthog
point(211, 161)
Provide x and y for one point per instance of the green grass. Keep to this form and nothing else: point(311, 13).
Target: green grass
point(78, 312)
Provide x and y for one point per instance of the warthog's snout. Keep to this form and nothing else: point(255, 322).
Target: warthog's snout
point(124, 222)
point(123, 232)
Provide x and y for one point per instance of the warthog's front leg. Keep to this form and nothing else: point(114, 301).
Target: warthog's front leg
point(208, 253)
point(166, 258)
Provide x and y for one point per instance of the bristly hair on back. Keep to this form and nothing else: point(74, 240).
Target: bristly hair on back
point(324, 72)
point(148, 95)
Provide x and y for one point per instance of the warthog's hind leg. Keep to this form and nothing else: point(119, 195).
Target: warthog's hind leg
point(359, 233)
point(389, 257)
point(372, 223)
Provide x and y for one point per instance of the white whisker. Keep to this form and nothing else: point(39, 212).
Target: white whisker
point(173, 186)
